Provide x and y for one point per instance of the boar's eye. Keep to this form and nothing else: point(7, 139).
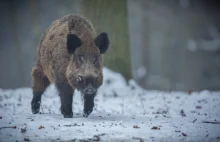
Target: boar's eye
point(95, 59)
point(80, 58)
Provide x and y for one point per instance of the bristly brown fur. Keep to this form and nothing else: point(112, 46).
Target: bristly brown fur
point(56, 65)
point(53, 52)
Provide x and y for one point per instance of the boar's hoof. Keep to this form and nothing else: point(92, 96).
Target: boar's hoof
point(35, 107)
point(86, 113)
point(65, 113)
point(70, 115)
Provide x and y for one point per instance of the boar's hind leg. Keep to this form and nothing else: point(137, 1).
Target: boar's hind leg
point(88, 104)
point(39, 85)
point(66, 96)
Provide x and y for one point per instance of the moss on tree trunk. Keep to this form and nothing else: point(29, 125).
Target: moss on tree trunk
point(111, 16)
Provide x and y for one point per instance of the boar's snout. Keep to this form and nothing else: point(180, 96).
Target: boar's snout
point(89, 89)
point(88, 85)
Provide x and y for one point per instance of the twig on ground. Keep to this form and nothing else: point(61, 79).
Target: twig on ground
point(194, 120)
point(13, 108)
point(70, 125)
point(165, 115)
point(13, 127)
point(145, 112)
point(110, 125)
point(123, 125)
point(211, 122)
point(167, 109)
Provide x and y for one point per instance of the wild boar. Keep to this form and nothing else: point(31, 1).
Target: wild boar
point(70, 56)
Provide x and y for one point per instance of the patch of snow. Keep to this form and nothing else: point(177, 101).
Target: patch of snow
point(123, 111)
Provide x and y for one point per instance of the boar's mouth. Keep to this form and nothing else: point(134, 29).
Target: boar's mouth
point(85, 85)
point(89, 90)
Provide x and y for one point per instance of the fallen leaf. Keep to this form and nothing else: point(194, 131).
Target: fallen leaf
point(41, 127)
point(26, 139)
point(136, 126)
point(155, 128)
point(198, 107)
point(182, 113)
point(184, 134)
point(23, 130)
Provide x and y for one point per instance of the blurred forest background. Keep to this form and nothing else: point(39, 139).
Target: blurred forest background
point(162, 44)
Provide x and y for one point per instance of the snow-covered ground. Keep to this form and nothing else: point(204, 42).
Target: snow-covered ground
point(123, 111)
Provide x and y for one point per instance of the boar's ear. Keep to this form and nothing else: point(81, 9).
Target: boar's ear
point(102, 42)
point(73, 42)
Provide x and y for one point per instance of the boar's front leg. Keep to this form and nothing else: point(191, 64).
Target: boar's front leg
point(66, 96)
point(88, 104)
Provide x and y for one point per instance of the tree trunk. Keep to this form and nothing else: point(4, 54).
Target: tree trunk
point(111, 17)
